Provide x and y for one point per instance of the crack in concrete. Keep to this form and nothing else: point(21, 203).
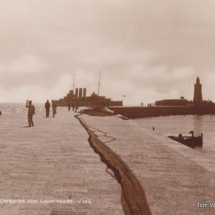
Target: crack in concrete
point(133, 197)
point(97, 130)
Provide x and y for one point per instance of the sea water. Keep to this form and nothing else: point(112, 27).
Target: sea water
point(14, 109)
point(175, 125)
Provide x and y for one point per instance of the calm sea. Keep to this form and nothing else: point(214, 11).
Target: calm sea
point(14, 109)
point(174, 125)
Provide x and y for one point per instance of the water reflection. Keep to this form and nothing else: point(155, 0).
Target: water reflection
point(198, 124)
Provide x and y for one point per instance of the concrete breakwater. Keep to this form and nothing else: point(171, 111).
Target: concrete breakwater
point(138, 112)
point(175, 178)
point(53, 162)
point(133, 196)
point(52, 169)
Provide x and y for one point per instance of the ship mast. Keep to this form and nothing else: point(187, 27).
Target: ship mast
point(74, 83)
point(99, 83)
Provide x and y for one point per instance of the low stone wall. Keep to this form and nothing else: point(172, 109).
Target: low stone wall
point(138, 112)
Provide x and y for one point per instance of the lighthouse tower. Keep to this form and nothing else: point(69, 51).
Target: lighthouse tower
point(197, 98)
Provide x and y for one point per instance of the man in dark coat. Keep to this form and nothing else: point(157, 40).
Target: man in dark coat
point(73, 106)
point(54, 108)
point(69, 105)
point(31, 112)
point(47, 107)
point(76, 106)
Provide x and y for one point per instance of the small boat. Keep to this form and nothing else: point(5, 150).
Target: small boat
point(190, 141)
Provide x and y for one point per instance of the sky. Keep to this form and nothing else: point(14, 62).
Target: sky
point(147, 50)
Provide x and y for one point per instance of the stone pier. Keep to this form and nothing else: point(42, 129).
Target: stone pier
point(76, 164)
point(51, 169)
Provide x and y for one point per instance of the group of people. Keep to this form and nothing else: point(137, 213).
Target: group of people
point(47, 107)
point(75, 106)
point(31, 110)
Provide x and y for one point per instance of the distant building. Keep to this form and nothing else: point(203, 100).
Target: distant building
point(197, 98)
point(172, 102)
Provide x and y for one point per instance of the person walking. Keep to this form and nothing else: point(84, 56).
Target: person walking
point(47, 107)
point(54, 108)
point(69, 105)
point(31, 112)
point(73, 106)
point(76, 106)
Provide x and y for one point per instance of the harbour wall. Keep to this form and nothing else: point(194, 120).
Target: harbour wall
point(173, 176)
point(153, 111)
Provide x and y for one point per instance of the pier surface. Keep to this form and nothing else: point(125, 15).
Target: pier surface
point(45, 165)
point(54, 161)
point(176, 179)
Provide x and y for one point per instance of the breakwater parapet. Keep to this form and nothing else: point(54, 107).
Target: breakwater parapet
point(138, 112)
point(133, 196)
point(175, 178)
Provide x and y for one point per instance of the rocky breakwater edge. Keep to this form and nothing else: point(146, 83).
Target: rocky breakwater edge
point(133, 198)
